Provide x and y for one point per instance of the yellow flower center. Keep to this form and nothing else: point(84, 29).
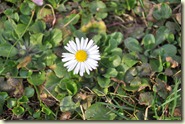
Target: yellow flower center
point(81, 55)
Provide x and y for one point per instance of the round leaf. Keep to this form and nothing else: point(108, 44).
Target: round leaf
point(29, 92)
point(18, 110)
point(67, 104)
point(103, 82)
point(149, 41)
point(132, 44)
point(98, 111)
point(37, 78)
point(11, 102)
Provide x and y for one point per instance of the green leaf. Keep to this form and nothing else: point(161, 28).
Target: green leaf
point(149, 41)
point(161, 34)
point(51, 82)
point(117, 51)
point(165, 51)
point(37, 78)
point(19, 29)
point(36, 40)
point(130, 4)
point(135, 82)
point(112, 44)
point(160, 88)
point(23, 99)
point(103, 82)
point(25, 9)
point(100, 91)
point(72, 18)
point(162, 12)
point(46, 110)
point(55, 37)
point(59, 70)
point(7, 49)
point(67, 104)
point(98, 111)
point(111, 72)
point(71, 87)
point(38, 27)
point(132, 44)
point(156, 64)
point(37, 114)
point(11, 102)
point(99, 9)
point(29, 92)
point(145, 98)
point(128, 61)
point(116, 60)
point(118, 36)
point(24, 19)
point(49, 58)
point(95, 5)
point(3, 96)
point(18, 110)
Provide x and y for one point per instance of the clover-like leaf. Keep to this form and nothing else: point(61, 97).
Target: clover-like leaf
point(132, 44)
point(98, 111)
point(67, 104)
point(149, 41)
point(18, 110)
point(7, 49)
point(111, 72)
point(29, 92)
point(103, 82)
point(37, 78)
point(145, 98)
point(162, 12)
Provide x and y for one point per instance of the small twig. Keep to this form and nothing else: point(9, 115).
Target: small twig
point(83, 114)
point(119, 82)
point(52, 10)
point(24, 31)
point(51, 94)
point(146, 113)
point(70, 21)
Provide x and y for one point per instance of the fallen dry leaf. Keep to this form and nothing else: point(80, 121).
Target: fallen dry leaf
point(65, 116)
point(24, 62)
point(174, 63)
point(178, 17)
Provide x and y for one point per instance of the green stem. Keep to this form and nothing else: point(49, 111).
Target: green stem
point(19, 37)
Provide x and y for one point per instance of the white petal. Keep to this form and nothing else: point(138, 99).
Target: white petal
point(73, 45)
point(86, 68)
point(69, 63)
point(78, 43)
point(92, 63)
point(85, 43)
point(95, 52)
point(67, 54)
point(93, 48)
point(89, 44)
point(65, 59)
point(82, 69)
point(72, 66)
point(77, 68)
point(82, 43)
point(69, 49)
point(95, 57)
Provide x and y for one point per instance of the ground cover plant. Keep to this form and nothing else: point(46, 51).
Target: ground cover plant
point(124, 63)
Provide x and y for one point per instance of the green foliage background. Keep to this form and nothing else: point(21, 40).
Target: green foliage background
point(138, 77)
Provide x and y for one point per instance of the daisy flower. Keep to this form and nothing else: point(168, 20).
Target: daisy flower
point(83, 56)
